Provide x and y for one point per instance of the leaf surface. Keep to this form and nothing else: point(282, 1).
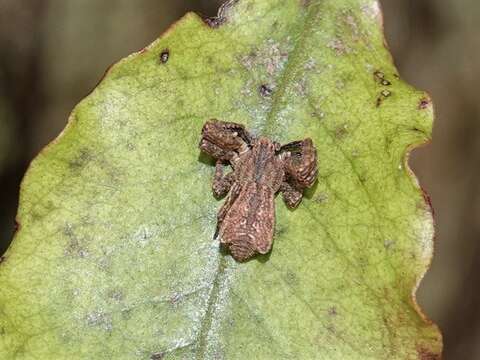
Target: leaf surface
point(114, 258)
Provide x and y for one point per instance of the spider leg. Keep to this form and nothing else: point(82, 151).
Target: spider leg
point(227, 130)
point(232, 196)
point(300, 165)
point(291, 196)
point(294, 146)
point(300, 161)
point(220, 139)
point(215, 151)
point(222, 183)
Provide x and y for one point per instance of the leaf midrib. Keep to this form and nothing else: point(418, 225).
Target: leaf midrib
point(289, 70)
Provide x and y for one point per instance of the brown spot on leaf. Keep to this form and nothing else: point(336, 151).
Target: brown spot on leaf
point(80, 160)
point(164, 56)
point(126, 313)
point(321, 198)
point(428, 201)
point(389, 244)
point(157, 356)
point(301, 87)
point(383, 95)
point(291, 278)
point(424, 103)
point(2, 259)
point(116, 295)
point(379, 77)
point(348, 17)
point(99, 319)
point(249, 60)
point(280, 230)
point(341, 131)
point(338, 46)
point(16, 226)
point(270, 56)
point(74, 247)
point(331, 328)
point(425, 354)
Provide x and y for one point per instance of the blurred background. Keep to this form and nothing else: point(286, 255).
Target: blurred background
point(53, 52)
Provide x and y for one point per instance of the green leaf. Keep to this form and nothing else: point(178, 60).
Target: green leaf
point(114, 258)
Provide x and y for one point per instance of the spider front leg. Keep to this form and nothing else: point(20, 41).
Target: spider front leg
point(216, 151)
point(300, 164)
point(222, 183)
point(223, 140)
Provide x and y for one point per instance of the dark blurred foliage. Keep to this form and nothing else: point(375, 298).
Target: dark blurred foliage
point(53, 52)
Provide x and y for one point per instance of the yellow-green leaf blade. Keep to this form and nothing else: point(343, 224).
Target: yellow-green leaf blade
point(115, 257)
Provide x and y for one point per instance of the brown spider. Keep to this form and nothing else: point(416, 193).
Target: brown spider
point(261, 168)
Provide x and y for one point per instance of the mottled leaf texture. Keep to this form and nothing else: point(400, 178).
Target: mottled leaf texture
point(114, 257)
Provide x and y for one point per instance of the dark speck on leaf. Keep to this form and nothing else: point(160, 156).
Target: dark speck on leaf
point(383, 95)
point(379, 75)
point(80, 160)
point(214, 22)
point(280, 230)
point(164, 56)
point(425, 354)
point(380, 78)
point(423, 104)
point(341, 131)
point(157, 356)
point(332, 311)
point(291, 278)
point(175, 298)
point(265, 90)
point(2, 259)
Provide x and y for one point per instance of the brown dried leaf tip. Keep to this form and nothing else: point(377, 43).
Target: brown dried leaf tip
point(261, 169)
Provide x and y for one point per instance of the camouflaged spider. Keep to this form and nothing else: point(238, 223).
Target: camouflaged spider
point(261, 168)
